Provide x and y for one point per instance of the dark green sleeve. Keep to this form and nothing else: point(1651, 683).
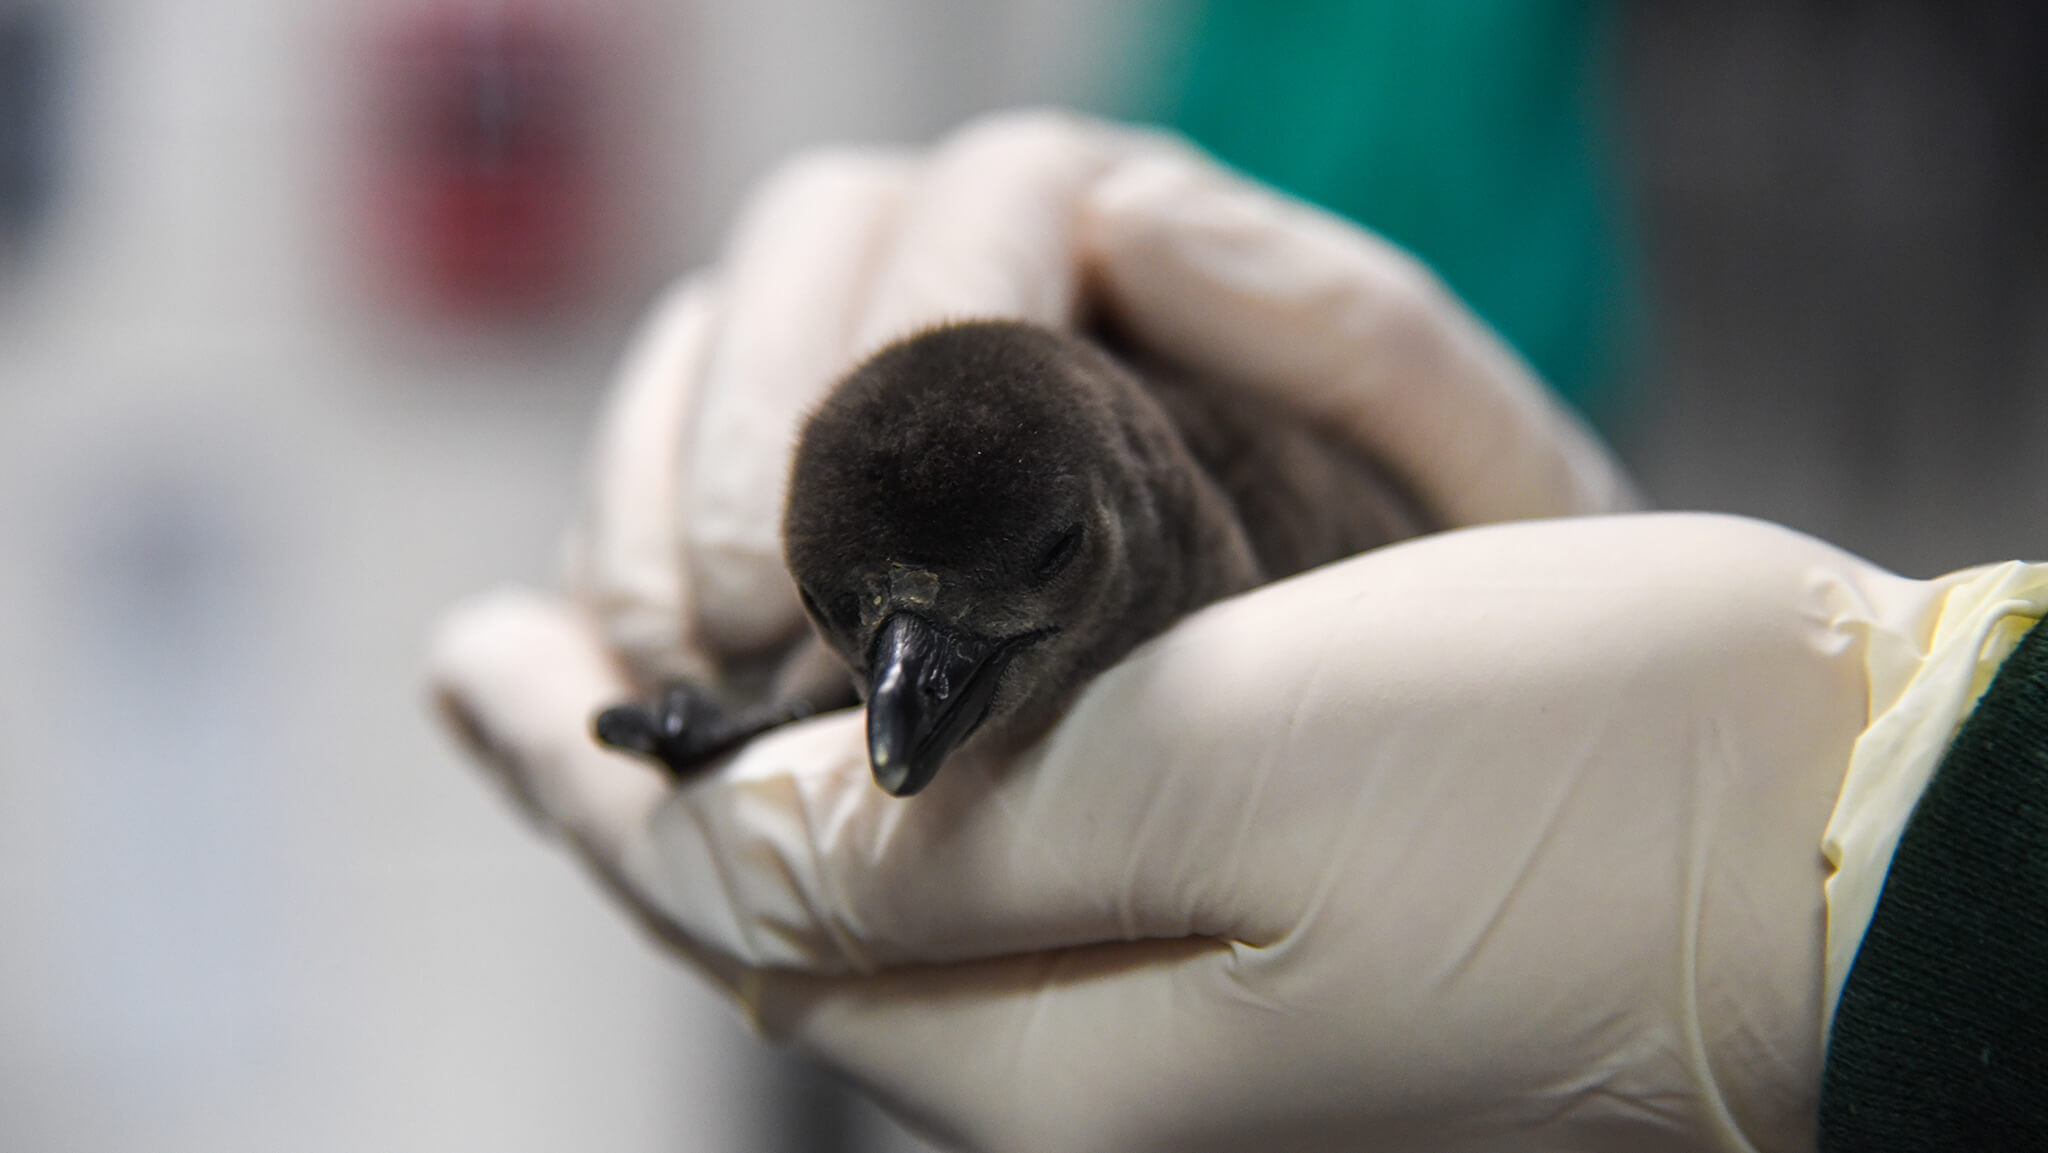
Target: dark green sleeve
point(1940, 1041)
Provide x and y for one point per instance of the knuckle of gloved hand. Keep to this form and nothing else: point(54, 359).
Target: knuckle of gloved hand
point(810, 177)
point(1402, 302)
point(1021, 131)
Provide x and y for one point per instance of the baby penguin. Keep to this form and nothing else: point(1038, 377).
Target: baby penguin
point(985, 515)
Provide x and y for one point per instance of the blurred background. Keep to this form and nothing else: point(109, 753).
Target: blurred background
point(305, 308)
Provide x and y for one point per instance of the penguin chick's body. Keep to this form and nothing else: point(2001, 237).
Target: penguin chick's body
point(984, 516)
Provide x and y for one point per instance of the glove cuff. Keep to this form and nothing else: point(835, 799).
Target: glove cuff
point(1940, 1038)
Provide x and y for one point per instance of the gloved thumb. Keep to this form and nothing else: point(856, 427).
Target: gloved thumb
point(518, 676)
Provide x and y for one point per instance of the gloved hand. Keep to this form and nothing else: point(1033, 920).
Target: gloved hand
point(1503, 838)
point(1506, 837)
point(1047, 218)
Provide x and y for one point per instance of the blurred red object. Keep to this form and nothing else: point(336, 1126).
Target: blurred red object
point(486, 178)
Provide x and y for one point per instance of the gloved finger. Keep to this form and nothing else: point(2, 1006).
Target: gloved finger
point(1321, 315)
point(988, 231)
point(1068, 1050)
point(797, 271)
point(1202, 1045)
point(624, 561)
point(519, 675)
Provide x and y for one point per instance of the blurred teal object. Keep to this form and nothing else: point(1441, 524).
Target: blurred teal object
point(1477, 134)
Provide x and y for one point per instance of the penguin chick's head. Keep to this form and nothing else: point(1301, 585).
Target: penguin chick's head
point(958, 520)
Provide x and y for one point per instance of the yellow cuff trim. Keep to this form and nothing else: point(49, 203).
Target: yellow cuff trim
point(1917, 701)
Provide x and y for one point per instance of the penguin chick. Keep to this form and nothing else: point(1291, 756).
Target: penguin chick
point(984, 516)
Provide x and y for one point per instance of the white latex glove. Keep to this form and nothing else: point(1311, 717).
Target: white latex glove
point(1139, 823)
point(1506, 838)
point(1044, 217)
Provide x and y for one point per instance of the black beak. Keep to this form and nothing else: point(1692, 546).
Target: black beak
point(929, 689)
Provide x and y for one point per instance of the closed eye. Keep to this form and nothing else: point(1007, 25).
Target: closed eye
point(845, 616)
point(1058, 555)
point(811, 606)
point(846, 613)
